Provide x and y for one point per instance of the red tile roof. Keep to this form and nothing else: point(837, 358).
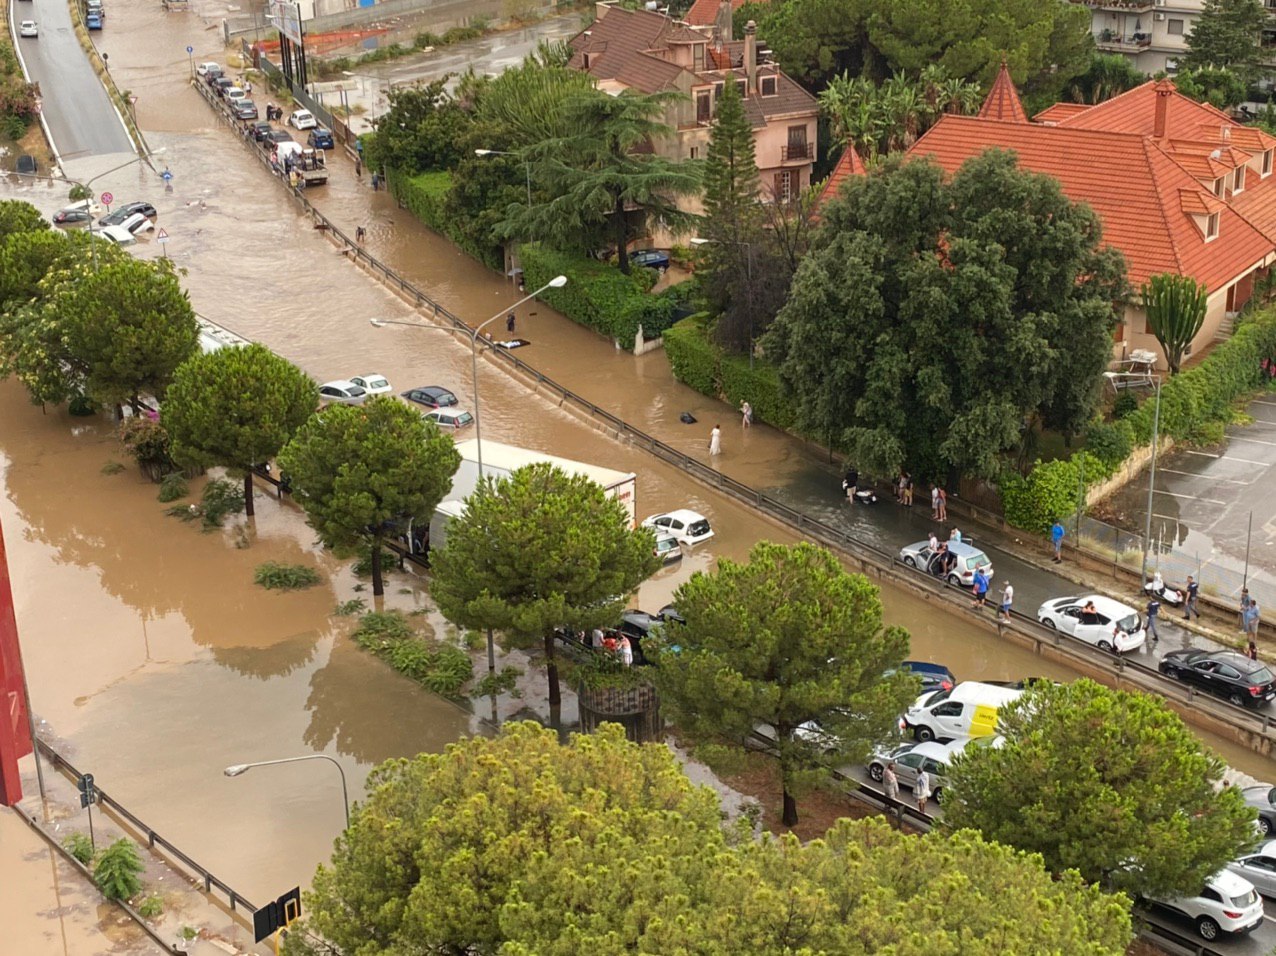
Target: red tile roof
point(704, 13)
point(849, 164)
point(1052, 115)
point(1135, 187)
point(1002, 101)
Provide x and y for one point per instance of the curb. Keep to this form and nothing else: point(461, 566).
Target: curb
point(26, 74)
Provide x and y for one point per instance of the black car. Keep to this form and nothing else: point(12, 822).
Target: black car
point(933, 676)
point(1227, 674)
point(27, 165)
point(244, 110)
point(260, 130)
point(320, 138)
point(431, 396)
point(275, 137)
point(72, 215)
point(221, 84)
point(128, 209)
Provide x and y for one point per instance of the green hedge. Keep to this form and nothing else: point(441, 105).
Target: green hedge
point(424, 196)
point(599, 295)
point(698, 362)
point(1195, 406)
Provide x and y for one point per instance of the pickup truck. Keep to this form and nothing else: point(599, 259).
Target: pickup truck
point(311, 168)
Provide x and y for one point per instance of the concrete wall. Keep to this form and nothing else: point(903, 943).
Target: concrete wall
point(436, 16)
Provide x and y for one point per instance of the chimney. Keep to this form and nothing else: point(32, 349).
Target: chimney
point(723, 29)
point(1163, 91)
point(751, 57)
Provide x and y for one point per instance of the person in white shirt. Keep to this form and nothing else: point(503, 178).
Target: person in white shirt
point(1007, 599)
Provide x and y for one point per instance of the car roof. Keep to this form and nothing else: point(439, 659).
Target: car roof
point(1267, 849)
point(1229, 883)
point(430, 389)
point(368, 376)
point(973, 690)
point(1107, 604)
point(683, 514)
point(118, 233)
point(1232, 658)
point(925, 667)
point(935, 751)
point(339, 383)
point(959, 548)
point(450, 410)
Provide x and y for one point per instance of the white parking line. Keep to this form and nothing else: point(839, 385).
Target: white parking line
point(1247, 461)
point(1175, 494)
point(1203, 454)
point(1257, 402)
point(1256, 441)
point(1192, 474)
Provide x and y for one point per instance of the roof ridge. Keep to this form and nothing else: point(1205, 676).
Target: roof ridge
point(1150, 144)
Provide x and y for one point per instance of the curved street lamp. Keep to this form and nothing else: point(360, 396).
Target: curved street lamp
point(236, 769)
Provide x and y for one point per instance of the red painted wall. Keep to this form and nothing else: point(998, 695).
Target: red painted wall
point(15, 735)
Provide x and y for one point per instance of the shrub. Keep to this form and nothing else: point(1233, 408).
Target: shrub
point(693, 358)
point(1126, 404)
point(443, 668)
point(425, 196)
point(173, 487)
point(80, 847)
point(379, 628)
point(151, 907)
point(1110, 442)
point(1051, 491)
point(146, 440)
point(274, 576)
point(118, 871)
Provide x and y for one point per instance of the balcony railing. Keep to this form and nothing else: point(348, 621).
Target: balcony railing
point(1125, 6)
point(1123, 44)
point(797, 153)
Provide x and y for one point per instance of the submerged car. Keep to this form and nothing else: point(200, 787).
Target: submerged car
point(342, 392)
point(450, 419)
point(431, 396)
point(689, 527)
point(373, 383)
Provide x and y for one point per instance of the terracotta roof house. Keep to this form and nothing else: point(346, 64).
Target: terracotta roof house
point(646, 51)
point(1180, 187)
point(704, 13)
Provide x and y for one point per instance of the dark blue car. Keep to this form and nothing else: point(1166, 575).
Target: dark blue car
point(651, 258)
point(320, 138)
point(93, 21)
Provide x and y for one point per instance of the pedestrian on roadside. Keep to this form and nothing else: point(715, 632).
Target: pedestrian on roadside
point(979, 588)
point(934, 501)
point(933, 542)
point(1007, 599)
point(943, 504)
point(746, 414)
point(596, 638)
point(1189, 605)
point(1251, 620)
point(1246, 600)
point(850, 482)
point(626, 652)
point(891, 782)
point(1153, 612)
point(715, 440)
point(1056, 539)
point(954, 536)
point(376, 183)
point(921, 790)
point(509, 322)
point(1252, 651)
point(358, 167)
point(907, 488)
point(360, 234)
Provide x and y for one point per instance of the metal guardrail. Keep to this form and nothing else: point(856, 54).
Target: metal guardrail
point(886, 564)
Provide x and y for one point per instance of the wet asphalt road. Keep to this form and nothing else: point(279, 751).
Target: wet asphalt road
point(81, 117)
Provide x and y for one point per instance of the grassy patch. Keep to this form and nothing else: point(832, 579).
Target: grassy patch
point(274, 576)
point(173, 487)
point(221, 498)
point(442, 668)
point(112, 468)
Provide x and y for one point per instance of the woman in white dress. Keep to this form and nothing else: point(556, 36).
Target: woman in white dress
point(715, 441)
point(921, 790)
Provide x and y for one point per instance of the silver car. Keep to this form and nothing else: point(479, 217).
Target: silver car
point(909, 758)
point(962, 574)
point(1262, 798)
point(1259, 868)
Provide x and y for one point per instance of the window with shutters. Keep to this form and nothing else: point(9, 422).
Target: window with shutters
point(704, 107)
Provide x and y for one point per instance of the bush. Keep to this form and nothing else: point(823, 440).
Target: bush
point(693, 358)
point(79, 846)
point(598, 295)
point(274, 576)
point(147, 441)
point(151, 907)
point(1051, 491)
point(443, 668)
point(173, 487)
point(379, 628)
point(1126, 404)
point(425, 196)
point(118, 871)
point(1110, 442)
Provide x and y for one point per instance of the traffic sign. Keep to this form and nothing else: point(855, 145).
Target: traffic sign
point(107, 198)
point(190, 49)
point(277, 914)
point(161, 237)
point(88, 792)
point(166, 175)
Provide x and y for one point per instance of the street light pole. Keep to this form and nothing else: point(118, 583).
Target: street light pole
point(236, 769)
point(555, 283)
point(527, 167)
point(1156, 434)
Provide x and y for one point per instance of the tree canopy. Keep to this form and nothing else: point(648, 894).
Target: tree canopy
point(236, 407)
point(18, 216)
point(538, 550)
point(1228, 33)
point(790, 640)
point(936, 317)
point(526, 846)
point(423, 129)
point(360, 471)
point(602, 181)
point(1109, 784)
point(1175, 306)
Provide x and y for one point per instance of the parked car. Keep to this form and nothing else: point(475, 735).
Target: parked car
point(233, 94)
point(1110, 626)
point(275, 137)
point(450, 419)
point(687, 526)
point(320, 138)
point(910, 758)
point(920, 555)
point(970, 709)
point(259, 130)
point(651, 258)
point(221, 84)
point(1227, 674)
point(203, 69)
point(93, 21)
point(431, 396)
point(118, 235)
point(137, 223)
point(373, 383)
point(667, 548)
point(933, 676)
point(28, 28)
point(244, 110)
point(75, 214)
point(342, 392)
point(1262, 797)
point(1226, 904)
point(27, 165)
point(302, 119)
point(1259, 867)
point(128, 209)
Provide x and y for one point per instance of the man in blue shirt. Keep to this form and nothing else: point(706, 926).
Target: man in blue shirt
point(1189, 606)
point(980, 588)
point(1056, 539)
point(1153, 611)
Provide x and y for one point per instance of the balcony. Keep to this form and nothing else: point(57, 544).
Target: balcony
point(1113, 42)
point(1119, 6)
point(797, 153)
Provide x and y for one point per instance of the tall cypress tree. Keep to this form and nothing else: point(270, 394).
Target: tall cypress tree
point(732, 220)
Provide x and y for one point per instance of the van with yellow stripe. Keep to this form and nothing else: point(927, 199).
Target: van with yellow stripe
point(968, 710)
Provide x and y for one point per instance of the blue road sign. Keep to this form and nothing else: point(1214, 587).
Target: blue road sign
point(166, 175)
point(190, 49)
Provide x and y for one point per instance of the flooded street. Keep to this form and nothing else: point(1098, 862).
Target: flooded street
point(152, 656)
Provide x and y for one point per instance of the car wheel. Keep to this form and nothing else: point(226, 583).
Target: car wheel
point(938, 795)
point(1105, 646)
point(923, 733)
point(1264, 826)
point(1235, 698)
point(875, 772)
point(1207, 928)
point(954, 580)
point(1048, 623)
point(910, 562)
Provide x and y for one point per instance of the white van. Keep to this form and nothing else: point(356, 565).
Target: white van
point(137, 223)
point(968, 710)
point(117, 235)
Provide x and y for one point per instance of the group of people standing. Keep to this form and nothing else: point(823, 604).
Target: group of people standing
point(612, 642)
point(921, 786)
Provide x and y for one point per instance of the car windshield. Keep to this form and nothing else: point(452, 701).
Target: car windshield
point(1129, 624)
point(464, 418)
point(1261, 676)
point(698, 527)
point(355, 390)
point(378, 383)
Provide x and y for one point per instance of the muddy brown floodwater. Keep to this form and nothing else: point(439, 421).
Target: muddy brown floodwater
point(152, 655)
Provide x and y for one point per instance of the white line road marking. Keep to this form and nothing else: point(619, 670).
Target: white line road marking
point(1258, 402)
point(1175, 494)
point(1247, 461)
point(1256, 441)
point(1192, 474)
point(1203, 454)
